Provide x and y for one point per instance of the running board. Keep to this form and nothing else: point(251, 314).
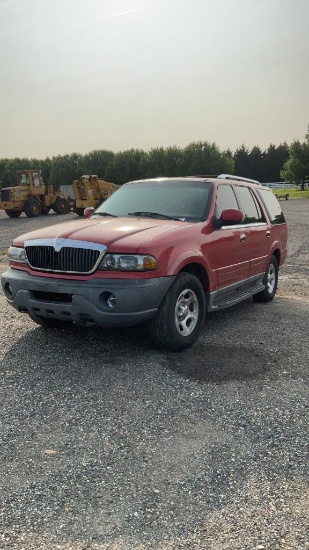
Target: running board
point(234, 297)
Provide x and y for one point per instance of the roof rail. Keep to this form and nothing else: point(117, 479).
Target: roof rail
point(238, 178)
point(201, 176)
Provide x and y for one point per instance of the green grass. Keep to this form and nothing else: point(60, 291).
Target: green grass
point(293, 193)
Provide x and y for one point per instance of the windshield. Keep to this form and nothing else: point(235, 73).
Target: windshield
point(185, 200)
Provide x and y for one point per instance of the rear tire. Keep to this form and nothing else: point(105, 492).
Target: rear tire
point(61, 206)
point(45, 210)
point(48, 322)
point(79, 211)
point(33, 208)
point(270, 281)
point(13, 213)
point(180, 317)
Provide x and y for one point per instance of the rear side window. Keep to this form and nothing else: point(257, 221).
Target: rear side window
point(249, 206)
point(272, 206)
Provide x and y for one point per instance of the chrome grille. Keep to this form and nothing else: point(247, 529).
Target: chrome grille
point(64, 255)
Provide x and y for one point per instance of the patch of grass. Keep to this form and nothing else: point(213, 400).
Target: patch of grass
point(293, 193)
point(3, 253)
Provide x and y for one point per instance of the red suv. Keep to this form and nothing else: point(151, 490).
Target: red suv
point(163, 251)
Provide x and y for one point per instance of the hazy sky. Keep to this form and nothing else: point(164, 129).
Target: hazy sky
point(78, 75)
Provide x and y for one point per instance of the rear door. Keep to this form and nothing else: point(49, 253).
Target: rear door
point(258, 230)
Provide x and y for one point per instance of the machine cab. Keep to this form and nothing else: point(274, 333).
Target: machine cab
point(32, 179)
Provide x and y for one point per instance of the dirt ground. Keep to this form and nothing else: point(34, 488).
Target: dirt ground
point(110, 444)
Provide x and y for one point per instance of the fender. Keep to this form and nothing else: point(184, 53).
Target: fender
point(277, 245)
point(189, 257)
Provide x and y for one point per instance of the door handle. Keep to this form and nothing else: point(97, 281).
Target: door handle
point(267, 233)
point(242, 237)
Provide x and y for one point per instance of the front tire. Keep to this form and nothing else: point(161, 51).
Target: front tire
point(181, 314)
point(13, 213)
point(270, 281)
point(33, 208)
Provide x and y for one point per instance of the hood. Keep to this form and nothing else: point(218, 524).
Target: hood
point(118, 234)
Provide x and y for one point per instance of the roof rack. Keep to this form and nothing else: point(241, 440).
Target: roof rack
point(237, 178)
point(202, 176)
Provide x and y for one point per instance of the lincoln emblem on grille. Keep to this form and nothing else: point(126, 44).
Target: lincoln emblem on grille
point(59, 244)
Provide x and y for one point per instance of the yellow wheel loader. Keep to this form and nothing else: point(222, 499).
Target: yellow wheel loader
point(91, 191)
point(31, 196)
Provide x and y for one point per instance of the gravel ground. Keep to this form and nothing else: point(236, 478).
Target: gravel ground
point(110, 444)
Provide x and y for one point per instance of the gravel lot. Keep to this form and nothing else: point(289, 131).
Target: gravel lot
point(108, 443)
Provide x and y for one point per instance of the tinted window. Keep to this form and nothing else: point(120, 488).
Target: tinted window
point(225, 199)
point(249, 206)
point(185, 199)
point(272, 206)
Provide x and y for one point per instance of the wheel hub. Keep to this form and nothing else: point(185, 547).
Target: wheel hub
point(182, 311)
point(186, 312)
point(271, 278)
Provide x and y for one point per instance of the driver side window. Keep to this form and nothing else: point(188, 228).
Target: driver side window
point(225, 199)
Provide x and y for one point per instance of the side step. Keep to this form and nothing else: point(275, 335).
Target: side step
point(234, 297)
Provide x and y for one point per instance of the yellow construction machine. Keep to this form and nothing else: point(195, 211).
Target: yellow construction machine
point(91, 191)
point(31, 196)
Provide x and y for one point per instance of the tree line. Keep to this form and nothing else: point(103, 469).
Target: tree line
point(275, 163)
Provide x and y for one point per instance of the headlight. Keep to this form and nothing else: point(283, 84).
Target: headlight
point(17, 255)
point(128, 262)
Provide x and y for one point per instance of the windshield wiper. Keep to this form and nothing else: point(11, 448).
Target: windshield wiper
point(104, 214)
point(152, 215)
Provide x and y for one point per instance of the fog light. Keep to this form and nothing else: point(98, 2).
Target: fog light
point(8, 290)
point(111, 300)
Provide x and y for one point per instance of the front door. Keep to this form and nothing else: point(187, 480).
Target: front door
point(228, 254)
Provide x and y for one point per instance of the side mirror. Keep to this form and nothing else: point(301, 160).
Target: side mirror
point(229, 216)
point(88, 211)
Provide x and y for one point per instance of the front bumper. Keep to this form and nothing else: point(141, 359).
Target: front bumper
point(8, 205)
point(84, 302)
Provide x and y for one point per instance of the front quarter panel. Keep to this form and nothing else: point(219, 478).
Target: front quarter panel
point(184, 246)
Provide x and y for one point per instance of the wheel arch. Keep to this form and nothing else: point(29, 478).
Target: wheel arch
point(199, 271)
point(277, 254)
